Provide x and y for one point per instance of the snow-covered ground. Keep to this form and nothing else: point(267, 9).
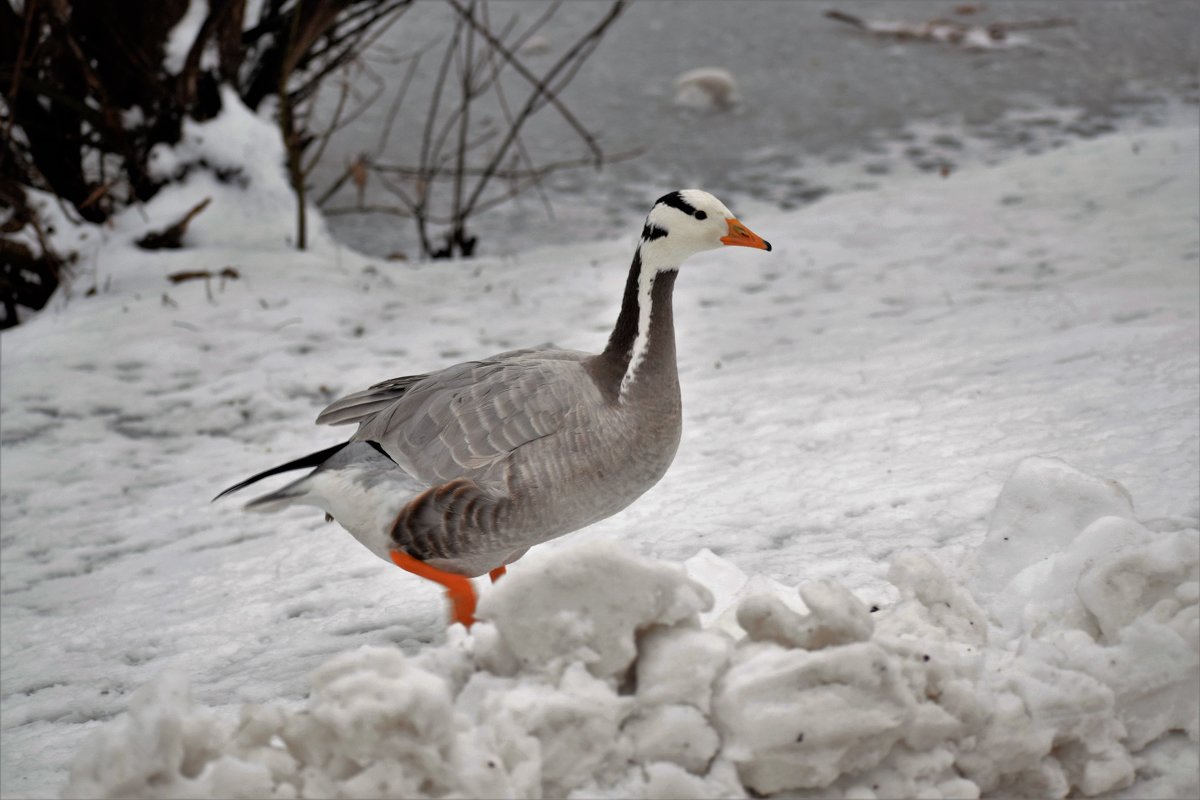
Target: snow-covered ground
point(855, 404)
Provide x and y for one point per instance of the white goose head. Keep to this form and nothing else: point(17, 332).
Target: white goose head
point(679, 225)
point(691, 221)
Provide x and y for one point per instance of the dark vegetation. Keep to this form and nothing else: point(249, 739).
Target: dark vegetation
point(85, 96)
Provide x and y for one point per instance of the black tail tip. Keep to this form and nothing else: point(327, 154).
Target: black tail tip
point(228, 491)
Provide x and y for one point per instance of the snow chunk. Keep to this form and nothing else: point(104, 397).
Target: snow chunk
point(837, 617)
point(558, 723)
point(933, 606)
point(667, 781)
point(1042, 507)
point(376, 720)
point(589, 605)
point(798, 719)
point(707, 88)
point(160, 749)
point(659, 678)
point(1141, 573)
point(679, 734)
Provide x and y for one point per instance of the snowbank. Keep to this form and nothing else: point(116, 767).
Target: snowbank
point(591, 675)
point(858, 396)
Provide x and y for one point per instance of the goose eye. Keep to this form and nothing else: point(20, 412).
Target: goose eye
point(701, 215)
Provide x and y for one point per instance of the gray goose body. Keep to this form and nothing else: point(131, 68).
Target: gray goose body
point(467, 467)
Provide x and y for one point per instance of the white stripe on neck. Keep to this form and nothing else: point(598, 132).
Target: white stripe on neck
point(641, 343)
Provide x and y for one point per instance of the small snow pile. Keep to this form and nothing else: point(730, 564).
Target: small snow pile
point(1116, 602)
point(590, 675)
point(238, 159)
point(706, 89)
point(229, 171)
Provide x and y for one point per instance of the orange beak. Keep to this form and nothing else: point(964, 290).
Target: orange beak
point(742, 236)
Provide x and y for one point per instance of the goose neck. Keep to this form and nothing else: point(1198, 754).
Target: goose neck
point(640, 355)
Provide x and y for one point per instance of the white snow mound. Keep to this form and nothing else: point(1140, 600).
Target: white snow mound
point(590, 675)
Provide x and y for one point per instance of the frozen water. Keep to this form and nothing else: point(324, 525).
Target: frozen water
point(853, 406)
point(812, 91)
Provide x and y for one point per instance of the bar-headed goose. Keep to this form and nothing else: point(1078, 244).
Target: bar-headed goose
point(458, 472)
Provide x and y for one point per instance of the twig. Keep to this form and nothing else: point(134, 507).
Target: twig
point(545, 169)
point(198, 274)
point(522, 153)
point(97, 193)
point(531, 104)
point(171, 237)
point(401, 93)
point(540, 86)
point(537, 25)
point(419, 207)
point(849, 19)
point(1036, 24)
point(287, 127)
point(370, 208)
point(465, 70)
point(18, 70)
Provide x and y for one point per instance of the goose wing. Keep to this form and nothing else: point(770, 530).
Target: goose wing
point(463, 420)
point(361, 405)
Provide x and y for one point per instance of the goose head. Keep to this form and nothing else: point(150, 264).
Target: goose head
point(691, 221)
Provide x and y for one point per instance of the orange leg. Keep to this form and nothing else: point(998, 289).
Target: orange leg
point(458, 588)
point(497, 573)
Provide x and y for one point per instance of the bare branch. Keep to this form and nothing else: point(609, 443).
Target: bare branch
point(401, 93)
point(509, 174)
point(396, 211)
point(522, 153)
point(541, 86)
point(532, 103)
point(327, 134)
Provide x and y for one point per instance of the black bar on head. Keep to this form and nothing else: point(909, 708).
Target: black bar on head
point(675, 200)
point(652, 232)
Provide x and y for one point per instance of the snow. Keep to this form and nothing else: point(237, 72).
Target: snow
point(556, 693)
point(1015, 343)
point(183, 36)
point(244, 150)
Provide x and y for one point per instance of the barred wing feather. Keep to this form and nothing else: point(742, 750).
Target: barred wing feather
point(464, 420)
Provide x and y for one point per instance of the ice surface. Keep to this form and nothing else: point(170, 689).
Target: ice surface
point(812, 89)
point(852, 409)
point(590, 676)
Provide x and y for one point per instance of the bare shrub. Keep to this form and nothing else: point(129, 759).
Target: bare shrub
point(466, 162)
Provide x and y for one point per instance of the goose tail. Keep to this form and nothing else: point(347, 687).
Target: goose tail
point(295, 493)
point(311, 460)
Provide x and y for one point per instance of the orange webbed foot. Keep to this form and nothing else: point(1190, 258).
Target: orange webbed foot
point(497, 573)
point(458, 587)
